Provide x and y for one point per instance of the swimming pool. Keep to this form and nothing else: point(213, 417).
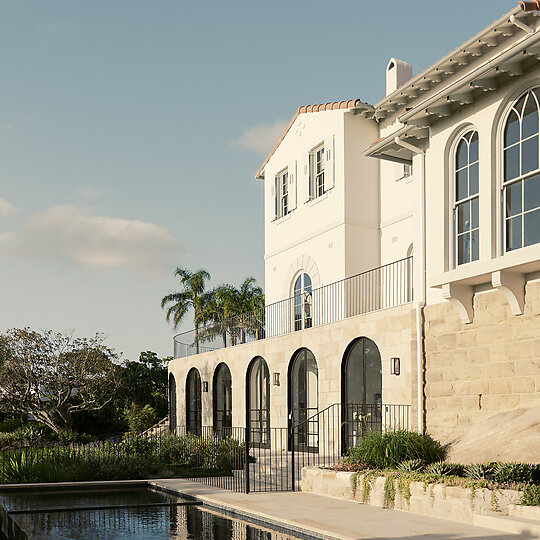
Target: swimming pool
point(134, 514)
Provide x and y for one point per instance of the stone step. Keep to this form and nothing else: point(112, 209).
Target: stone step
point(510, 524)
point(531, 512)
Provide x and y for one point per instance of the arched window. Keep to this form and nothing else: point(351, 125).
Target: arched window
point(258, 401)
point(193, 402)
point(172, 404)
point(361, 389)
point(466, 223)
point(521, 177)
point(302, 292)
point(304, 400)
point(222, 394)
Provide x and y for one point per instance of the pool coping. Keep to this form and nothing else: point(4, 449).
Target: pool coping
point(281, 525)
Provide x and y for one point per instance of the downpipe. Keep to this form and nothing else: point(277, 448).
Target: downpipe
point(420, 304)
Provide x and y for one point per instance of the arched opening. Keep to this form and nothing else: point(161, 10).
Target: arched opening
point(304, 401)
point(521, 173)
point(222, 400)
point(258, 402)
point(173, 422)
point(193, 402)
point(361, 391)
point(302, 293)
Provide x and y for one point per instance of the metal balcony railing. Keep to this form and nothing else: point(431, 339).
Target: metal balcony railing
point(380, 288)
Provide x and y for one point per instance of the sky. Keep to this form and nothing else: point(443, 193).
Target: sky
point(130, 132)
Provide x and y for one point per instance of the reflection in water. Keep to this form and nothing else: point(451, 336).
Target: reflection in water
point(148, 523)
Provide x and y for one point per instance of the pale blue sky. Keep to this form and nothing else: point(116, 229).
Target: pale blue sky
point(130, 132)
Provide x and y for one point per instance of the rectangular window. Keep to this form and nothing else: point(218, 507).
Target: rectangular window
point(282, 193)
point(316, 173)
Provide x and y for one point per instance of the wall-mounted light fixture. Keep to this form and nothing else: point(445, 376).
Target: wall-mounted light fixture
point(395, 367)
point(276, 378)
point(205, 386)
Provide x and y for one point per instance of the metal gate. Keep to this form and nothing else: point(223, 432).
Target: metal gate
point(238, 461)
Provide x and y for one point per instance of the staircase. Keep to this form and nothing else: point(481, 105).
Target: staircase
point(161, 428)
point(524, 520)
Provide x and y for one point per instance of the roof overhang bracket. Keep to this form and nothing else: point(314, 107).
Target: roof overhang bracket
point(520, 24)
point(408, 146)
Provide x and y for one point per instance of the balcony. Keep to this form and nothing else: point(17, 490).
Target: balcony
point(384, 287)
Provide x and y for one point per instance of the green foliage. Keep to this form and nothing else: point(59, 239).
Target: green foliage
point(140, 418)
point(389, 491)
point(440, 468)
point(479, 471)
point(517, 473)
point(131, 457)
point(387, 450)
point(531, 495)
point(7, 426)
point(411, 465)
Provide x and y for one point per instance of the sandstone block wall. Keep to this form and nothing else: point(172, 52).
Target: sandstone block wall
point(475, 371)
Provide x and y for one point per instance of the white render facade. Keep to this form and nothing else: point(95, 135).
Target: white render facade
point(444, 174)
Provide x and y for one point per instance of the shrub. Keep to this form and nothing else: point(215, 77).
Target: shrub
point(140, 418)
point(388, 450)
point(137, 446)
point(7, 426)
point(531, 495)
point(517, 473)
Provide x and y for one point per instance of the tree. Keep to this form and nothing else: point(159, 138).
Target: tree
point(234, 312)
point(54, 377)
point(192, 296)
point(144, 382)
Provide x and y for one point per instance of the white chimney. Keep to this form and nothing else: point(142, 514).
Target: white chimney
point(398, 73)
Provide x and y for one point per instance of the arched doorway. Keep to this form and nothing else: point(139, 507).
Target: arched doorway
point(361, 389)
point(173, 423)
point(222, 400)
point(193, 402)
point(258, 402)
point(303, 294)
point(304, 401)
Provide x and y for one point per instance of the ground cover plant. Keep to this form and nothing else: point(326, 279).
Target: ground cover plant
point(128, 457)
point(404, 457)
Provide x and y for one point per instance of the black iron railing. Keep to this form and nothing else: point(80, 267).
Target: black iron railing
point(380, 288)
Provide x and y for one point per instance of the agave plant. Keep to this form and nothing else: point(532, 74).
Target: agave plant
point(440, 468)
point(479, 471)
point(411, 465)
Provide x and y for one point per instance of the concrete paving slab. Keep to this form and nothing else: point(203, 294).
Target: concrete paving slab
point(330, 518)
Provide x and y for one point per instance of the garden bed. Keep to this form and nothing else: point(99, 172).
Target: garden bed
point(450, 498)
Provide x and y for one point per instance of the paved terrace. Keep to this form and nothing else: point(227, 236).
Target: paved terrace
point(330, 518)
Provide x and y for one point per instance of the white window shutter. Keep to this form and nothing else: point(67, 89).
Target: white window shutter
point(309, 180)
point(293, 169)
point(275, 196)
point(329, 165)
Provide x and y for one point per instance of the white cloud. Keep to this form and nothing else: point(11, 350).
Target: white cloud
point(6, 209)
point(69, 233)
point(260, 139)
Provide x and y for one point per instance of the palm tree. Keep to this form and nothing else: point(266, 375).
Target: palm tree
point(250, 300)
point(192, 296)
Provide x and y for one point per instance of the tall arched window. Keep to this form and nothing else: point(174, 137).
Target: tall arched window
point(302, 292)
point(258, 401)
point(304, 400)
point(361, 390)
point(172, 403)
point(222, 394)
point(193, 402)
point(521, 177)
point(466, 223)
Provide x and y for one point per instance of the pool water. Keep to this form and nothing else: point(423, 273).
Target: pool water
point(66, 515)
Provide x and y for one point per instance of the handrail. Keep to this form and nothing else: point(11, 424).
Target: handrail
point(383, 287)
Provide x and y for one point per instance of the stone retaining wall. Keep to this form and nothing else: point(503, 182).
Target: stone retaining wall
point(436, 500)
point(476, 371)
